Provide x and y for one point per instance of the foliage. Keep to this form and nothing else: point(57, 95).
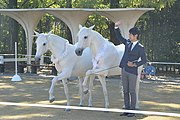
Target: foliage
point(90, 4)
point(160, 33)
point(157, 4)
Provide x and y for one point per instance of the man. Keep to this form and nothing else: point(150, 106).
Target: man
point(129, 64)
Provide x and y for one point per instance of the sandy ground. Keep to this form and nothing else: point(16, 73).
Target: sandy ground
point(162, 95)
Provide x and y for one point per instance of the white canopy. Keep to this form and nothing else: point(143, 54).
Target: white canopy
point(29, 19)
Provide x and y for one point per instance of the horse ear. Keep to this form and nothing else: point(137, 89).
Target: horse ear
point(49, 33)
point(36, 34)
point(80, 26)
point(91, 27)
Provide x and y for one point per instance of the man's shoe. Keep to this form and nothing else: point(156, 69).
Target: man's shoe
point(131, 115)
point(124, 114)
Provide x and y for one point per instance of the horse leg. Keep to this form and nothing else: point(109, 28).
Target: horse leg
point(54, 80)
point(61, 76)
point(137, 86)
point(103, 83)
point(66, 91)
point(51, 90)
point(137, 92)
point(90, 90)
point(85, 88)
point(81, 91)
point(88, 74)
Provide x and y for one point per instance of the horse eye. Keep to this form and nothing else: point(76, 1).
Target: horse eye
point(85, 37)
point(44, 44)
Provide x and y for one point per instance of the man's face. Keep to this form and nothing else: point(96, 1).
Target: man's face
point(132, 37)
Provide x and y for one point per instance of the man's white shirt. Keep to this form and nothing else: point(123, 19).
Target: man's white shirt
point(134, 43)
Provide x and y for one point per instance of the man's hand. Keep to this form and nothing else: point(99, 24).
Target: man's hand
point(118, 23)
point(131, 64)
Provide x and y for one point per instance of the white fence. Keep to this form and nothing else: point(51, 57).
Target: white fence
point(161, 67)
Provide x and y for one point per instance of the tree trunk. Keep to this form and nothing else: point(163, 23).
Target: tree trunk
point(69, 36)
point(113, 4)
point(68, 3)
point(24, 42)
point(1, 38)
point(13, 26)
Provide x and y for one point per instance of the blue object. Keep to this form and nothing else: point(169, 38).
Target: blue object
point(150, 70)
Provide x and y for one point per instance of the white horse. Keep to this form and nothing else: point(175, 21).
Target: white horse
point(106, 58)
point(66, 62)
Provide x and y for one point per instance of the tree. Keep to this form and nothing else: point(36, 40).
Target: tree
point(156, 26)
point(68, 3)
point(68, 32)
point(113, 4)
point(13, 26)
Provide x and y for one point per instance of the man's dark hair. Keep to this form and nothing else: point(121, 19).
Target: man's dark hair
point(134, 31)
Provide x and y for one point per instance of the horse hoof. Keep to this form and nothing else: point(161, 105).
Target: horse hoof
point(67, 110)
point(85, 92)
point(52, 100)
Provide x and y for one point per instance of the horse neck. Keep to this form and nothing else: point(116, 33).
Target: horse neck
point(56, 45)
point(97, 43)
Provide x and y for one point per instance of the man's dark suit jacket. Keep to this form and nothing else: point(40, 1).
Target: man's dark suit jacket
point(137, 52)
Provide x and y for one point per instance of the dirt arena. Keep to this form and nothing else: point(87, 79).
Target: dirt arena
point(162, 95)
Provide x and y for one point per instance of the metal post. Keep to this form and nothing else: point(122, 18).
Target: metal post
point(16, 77)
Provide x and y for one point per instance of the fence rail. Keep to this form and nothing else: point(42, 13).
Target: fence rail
point(161, 67)
point(7, 63)
point(166, 67)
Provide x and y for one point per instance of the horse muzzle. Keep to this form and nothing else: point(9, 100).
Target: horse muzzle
point(79, 51)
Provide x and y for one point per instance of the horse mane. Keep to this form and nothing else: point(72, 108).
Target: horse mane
point(98, 35)
point(101, 37)
point(53, 35)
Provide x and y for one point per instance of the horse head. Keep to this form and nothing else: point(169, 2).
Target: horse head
point(84, 39)
point(41, 44)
